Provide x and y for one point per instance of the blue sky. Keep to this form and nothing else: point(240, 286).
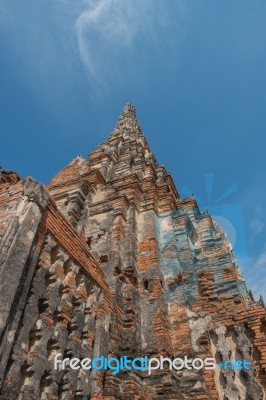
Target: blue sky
point(195, 70)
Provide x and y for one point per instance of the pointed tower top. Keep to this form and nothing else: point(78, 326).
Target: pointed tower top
point(129, 109)
point(128, 123)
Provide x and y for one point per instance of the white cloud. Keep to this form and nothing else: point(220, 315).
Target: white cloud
point(108, 32)
point(256, 224)
point(255, 273)
point(4, 14)
point(117, 41)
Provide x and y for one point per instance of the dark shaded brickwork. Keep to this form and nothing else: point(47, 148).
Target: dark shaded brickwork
point(109, 260)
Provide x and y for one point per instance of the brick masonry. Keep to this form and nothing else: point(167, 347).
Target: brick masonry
point(109, 260)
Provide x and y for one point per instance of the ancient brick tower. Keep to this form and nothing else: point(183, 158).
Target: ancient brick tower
point(108, 260)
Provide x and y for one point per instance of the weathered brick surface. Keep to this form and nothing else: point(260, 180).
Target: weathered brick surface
point(8, 177)
point(112, 262)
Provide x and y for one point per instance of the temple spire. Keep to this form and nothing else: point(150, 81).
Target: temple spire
point(129, 110)
point(128, 123)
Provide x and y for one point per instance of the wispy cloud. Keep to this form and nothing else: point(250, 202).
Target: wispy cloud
point(108, 33)
point(4, 13)
point(115, 41)
point(256, 224)
point(255, 273)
